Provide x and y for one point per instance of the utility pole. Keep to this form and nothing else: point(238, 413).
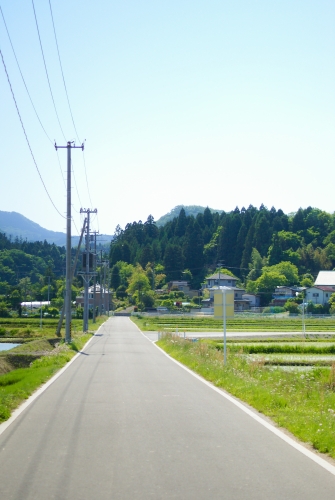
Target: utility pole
point(70, 145)
point(104, 286)
point(87, 274)
point(48, 289)
point(108, 283)
point(95, 274)
point(60, 322)
point(100, 296)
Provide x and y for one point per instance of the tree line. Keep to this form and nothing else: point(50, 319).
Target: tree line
point(251, 243)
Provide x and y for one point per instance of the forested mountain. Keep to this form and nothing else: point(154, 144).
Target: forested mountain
point(15, 225)
point(245, 241)
point(33, 271)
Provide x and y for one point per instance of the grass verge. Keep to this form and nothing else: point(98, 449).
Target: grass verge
point(303, 403)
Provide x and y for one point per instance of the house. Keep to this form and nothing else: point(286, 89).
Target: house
point(283, 293)
point(319, 294)
point(323, 287)
point(325, 278)
point(240, 303)
point(182, 286)
point(103, 297)
point(253, 299)
point(220, 279)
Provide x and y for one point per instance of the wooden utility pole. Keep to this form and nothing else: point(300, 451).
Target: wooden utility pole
point(70, 145)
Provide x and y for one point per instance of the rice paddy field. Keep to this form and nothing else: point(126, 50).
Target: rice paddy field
point(260, 323)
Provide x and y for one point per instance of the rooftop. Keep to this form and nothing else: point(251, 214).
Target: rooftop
point(325, 278)
point(222, 277)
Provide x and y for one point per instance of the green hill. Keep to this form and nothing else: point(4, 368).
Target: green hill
point(189, 210)
point(15, 225)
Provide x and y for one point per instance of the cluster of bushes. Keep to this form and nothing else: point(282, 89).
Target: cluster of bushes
point(294, 306)
point(273, 310)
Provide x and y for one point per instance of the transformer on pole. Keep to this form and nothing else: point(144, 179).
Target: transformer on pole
point(88, 267)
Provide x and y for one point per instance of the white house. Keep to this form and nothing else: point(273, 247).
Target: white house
point(319, 294)
point(220, 279)
point(240, 302)
point(253, 299)
point(325, 278)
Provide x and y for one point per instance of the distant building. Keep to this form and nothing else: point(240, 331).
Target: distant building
point(102, 296)
point(35, 304)
point(220, 279)
point(319, 294)
point(283, 293)
point(325, 278)
point(253, 299)
point(182, 286)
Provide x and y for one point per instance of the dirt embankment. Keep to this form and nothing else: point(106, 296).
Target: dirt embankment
point(23, 355)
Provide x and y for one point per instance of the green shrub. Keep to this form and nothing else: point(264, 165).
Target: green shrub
point(292, 307)
point(273, 310)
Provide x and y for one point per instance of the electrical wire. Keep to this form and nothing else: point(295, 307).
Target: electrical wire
point(61, 67)
point(75, 225)
point(46, 70)
point(25, 134)
point(31, 101)
point(68, 101)
point(98, 223)
point(75, 183)
point(60, 168)
point(24, 82)
point(88, 189)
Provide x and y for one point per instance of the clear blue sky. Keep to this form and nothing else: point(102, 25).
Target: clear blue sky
point(215, 103)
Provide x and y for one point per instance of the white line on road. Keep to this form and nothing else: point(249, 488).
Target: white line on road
point(320, 461)
point(39, 391)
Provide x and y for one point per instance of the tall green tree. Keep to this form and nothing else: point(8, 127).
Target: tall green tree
point(173, 262)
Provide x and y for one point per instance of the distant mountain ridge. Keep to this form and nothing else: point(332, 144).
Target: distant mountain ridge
point(15, 225)
point(189, 210)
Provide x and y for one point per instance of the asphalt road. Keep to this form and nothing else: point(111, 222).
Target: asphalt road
point(126, 422)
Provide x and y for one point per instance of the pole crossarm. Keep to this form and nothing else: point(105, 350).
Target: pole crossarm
point(70, 144)
point(88, 210)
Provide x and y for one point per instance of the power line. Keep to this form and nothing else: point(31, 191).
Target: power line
point(75, 182)
point(88, 189)
point(60, 168)
point(61, 67)
point(25, 134)
point(68, 100)
point(18, 65)
point(26, 87)
point(75, 225)
point(46, 70)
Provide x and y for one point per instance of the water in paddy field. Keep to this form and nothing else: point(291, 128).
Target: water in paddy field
point(5, 346)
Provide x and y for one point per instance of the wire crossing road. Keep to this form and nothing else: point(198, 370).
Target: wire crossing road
point(126, 422)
